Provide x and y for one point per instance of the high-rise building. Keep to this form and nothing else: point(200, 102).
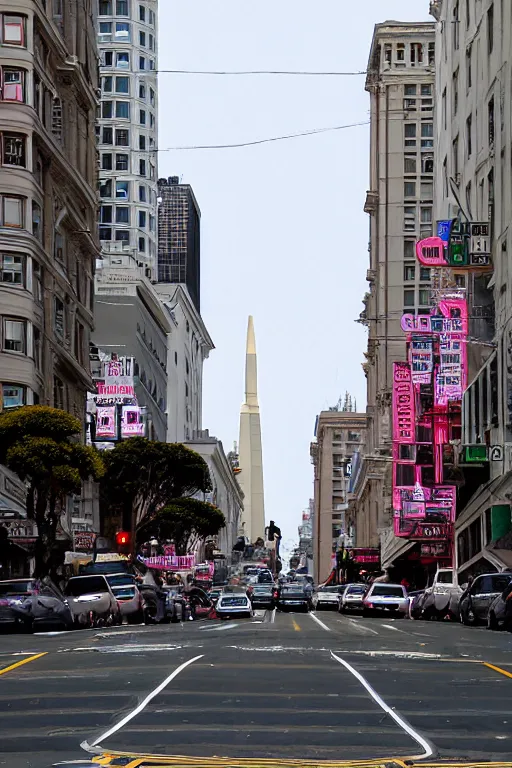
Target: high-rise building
point(401, 83)
point(179, 247)
point(48, 240)
point(473, 139)
point(127, 132)
point(338, 435)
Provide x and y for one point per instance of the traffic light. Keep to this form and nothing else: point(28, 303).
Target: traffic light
point(123, 540)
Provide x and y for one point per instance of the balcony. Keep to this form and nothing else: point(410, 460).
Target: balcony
point(371, 202)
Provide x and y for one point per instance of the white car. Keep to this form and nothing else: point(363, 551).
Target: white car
point(92, 601)
point(351, 599)
point(385, 598)
point(327, 597)
point(129, 599)
point(233, 602)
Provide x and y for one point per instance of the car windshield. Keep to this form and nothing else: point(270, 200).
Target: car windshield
point(445, 577)
point(86, 585)
point(387, 590)
point(17, 587)
point(119, 580)
point(330, 589)
point(355, 589)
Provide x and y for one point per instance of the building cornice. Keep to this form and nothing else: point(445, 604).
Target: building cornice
point(176, 292)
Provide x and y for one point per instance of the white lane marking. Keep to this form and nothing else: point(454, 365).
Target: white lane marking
point(362, 627)
point(52, 634)
point(395, 629)
point(428, 751)
point(219, 627)
point(324, 626)
point(273, 616)
point(126, 719)
point(400, 654)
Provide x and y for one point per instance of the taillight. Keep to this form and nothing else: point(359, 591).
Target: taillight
point(276, 593)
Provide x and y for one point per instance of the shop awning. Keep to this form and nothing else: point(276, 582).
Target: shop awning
point(488, 494)
point(394, 549)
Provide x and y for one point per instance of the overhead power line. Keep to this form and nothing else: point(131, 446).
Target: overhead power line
point(258, 72)
point(266, 141)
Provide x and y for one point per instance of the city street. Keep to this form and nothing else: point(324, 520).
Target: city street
point(283, 686)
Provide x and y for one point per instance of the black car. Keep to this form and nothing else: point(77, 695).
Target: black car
point(500, 610)
point(263, 596)
point(476, 600)
point(292, 597)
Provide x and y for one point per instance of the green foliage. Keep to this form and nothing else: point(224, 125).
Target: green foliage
point(143, 475)
point(35, 421)
point(185, 521)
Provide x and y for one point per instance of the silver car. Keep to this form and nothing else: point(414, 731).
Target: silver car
point(92, 602)
point(327, 597)
point(233, 602)
point(351, 599)
point(385, 598)
point(128, 596)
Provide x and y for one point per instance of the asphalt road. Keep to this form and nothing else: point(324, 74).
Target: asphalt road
point(284, 686)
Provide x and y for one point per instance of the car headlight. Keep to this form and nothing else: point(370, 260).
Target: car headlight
point(86, 598)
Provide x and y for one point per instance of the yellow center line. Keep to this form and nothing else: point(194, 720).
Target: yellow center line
point(295, 625)
point(20, 663)
point(497, 669)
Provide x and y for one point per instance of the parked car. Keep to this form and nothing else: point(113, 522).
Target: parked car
point(385, 598)
point(327, 597)
point(500, 610)
point(477, 598)
point(92, 601)
point(233, 602)
point(351, 598)
point(128, 596)
point(29, 604)
point(263, 596)
point(214, 594)
point(292, 597)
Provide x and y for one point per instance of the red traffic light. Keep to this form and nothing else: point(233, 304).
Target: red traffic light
point(122, 539)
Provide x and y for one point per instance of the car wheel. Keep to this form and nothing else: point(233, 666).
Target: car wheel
point(366, 613)
point(135, 618)
point(492, 622)
point(468, 619)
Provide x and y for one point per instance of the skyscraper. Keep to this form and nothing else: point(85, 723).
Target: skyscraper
point(179, 249)
point(251, 461)
point(127, 132)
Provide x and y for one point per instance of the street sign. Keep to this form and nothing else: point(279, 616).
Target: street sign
point(496, 453)
point(479, 239)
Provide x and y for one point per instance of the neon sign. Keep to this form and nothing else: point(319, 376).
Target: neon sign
point(404, 428)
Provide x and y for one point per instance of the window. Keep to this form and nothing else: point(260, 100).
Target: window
point(469, 139)
point(455, 156)
point(409, 218)
point(426, 90)
point(122, 7)
point(105, 27)
point(142, 167)
point(455, 26)
point(12, 212)
point(409, 272)
point(142, 91)
point(416, 54)
point(107, 84)
point(123, 84)
point(13, 30)
point(410, 134)
point(427, 163)
point(409, 298)
point(13, 150)
point(122, 189)
point(490, 29)
point(152, 221)
point(424, 296)
point(427, 135)
point(121, 162)
point(13, 395)
point(13, 84)
point(123, 60)
point(142, 244)
point(142, 193)
point(469, 72)
point(468, 13)
point(105, 233)
point(142, 219)
point(37, 281)
point(106, 188)
point(142, 39)
point(425, 274)
point(460, 280)
point(58, 393)
point(409, 249)
point(108, 58)
point(152, 18)
point(151, 40)
point(12, 269)
point(455, 92)
point(142, 142)
point(122, 214)
point(443, 109)
point(105, 8)
point(410, 189)
point(490, 123)
point(107, 135)
point(122, 30)
point(152, 97)
point(152, 64)
point(400, 52)
point(106, 110)
point(468, 196)
point(106, 214)
point(151, 120)
point(142, 13)
point(106, 161)
point(79, 343)
point(122, 137)
point(14, 335)
point(410, 90)
point(123, 236)
point(427, 190)
point(426, 214)
point(123, 109)
point(142, 117)
point(142, 62)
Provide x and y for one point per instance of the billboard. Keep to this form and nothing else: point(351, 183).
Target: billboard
point(106, 422)
point(421, 512)
point(404, 430)
point(132, 423)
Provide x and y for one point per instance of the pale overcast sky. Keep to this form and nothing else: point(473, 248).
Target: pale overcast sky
point(284, 235)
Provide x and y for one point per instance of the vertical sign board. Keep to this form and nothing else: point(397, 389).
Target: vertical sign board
point(403, 404)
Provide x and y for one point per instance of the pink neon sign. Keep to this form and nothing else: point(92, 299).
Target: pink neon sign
point(430, 252)
point(403, 404)
point(106, 422)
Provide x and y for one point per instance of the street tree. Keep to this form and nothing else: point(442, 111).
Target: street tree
point(142, 476)
point(185, 521)
point(40, 444)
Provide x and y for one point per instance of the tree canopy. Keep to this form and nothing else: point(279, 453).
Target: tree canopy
point(142, 476)
point(186, 522)
point(38, 444)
